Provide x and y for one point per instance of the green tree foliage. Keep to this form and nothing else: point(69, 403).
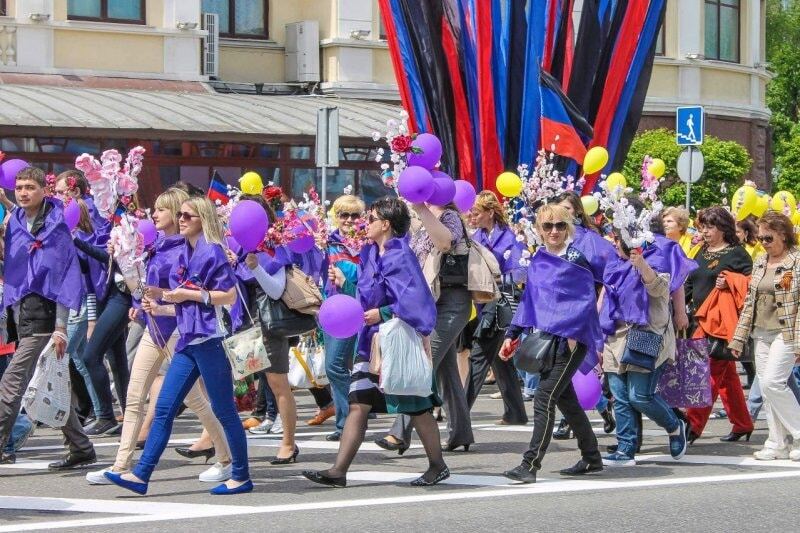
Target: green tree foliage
point(725, 162)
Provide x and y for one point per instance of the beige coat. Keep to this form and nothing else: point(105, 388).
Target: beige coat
point(660, 319)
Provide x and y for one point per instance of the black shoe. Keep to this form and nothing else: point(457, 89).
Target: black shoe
point(522, 474)
point(208, 453)
point(454, 447)
point(181, 409)
point(334, 437)
point(324, 479)
point(691, 436)
point(733, 436)
point(101, 427)
point(7, 458)
point(140, 444)
point(72, 460)
point(609, 425)
point(286, 460)
point(563, 432)
point(422, 481)
point(580, 468)
point(391, 446)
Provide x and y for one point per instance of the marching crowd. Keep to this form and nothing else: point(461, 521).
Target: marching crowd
point(584, 305)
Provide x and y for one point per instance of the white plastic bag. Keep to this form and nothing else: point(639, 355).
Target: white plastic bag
point(47, 398)
point(307, 364)
point(406, 368)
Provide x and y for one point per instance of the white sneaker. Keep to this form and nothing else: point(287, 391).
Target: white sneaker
point(794, 454)
point(769, 454)
point(217, 473)
point(277, 427)
point(263, 428)
point(97, 477)
point(496, 395)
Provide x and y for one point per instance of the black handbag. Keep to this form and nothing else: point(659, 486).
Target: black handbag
point(718, 349)
point(454, 270)
point(278, 320)
point(537, 352)
point(494, 318)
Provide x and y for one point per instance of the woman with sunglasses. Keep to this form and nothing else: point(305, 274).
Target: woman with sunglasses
point(489, 216)
point(770, 319)
point(200, 282)
point(390, 284)
point(157, 344)
point(341, 267)
point(568, 285)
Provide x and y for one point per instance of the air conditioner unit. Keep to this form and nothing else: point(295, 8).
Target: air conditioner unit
point(211, 45)
point(302, 51)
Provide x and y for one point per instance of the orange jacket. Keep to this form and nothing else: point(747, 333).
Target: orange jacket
point(719, 314)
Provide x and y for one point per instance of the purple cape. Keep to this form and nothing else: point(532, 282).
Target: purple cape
point(500, 240)
point(45, 264)
point(164, 255)
point(96, 280)
point(667, 256)
point(599, 252)
point(559, 298)
point(206, 267)
point(394, 279)
point(310, 262)
point(626, 297)
point(102, 227)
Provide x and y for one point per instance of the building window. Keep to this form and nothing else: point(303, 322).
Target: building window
point(722, 30)
point(661, 44)
point(3, 8)
point(126, 11)
point(240, 18)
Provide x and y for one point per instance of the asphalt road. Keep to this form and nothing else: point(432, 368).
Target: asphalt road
point(717, 487)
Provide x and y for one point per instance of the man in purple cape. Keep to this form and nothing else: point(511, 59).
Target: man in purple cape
point(42, 283)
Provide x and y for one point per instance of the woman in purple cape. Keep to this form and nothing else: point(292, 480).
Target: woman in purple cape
point(200, 282)
point(558, 279)
point(390, 284)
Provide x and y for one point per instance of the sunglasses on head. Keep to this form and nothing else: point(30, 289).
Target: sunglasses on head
point(766, 239)
point(559, 226)
point(351, 216)
point(182, 215)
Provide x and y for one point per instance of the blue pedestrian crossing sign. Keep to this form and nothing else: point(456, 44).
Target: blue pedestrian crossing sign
point(689, 126)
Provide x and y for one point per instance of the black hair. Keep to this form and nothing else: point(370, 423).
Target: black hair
point(720, 218)
point(580, 214)
point(395, 212)
point(257, 198)
point(189, 189)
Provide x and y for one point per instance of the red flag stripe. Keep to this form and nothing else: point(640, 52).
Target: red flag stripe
point(491, 162)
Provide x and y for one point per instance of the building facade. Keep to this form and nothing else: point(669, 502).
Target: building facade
point(136, 62)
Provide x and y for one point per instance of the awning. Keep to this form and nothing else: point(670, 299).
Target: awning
point(27, 109)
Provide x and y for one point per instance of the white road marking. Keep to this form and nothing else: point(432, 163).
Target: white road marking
point(717, 460)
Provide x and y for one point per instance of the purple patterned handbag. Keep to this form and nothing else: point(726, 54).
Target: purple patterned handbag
point(686, 382)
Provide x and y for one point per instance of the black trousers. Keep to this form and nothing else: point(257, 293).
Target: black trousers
point(555, 389)
point(481, 358)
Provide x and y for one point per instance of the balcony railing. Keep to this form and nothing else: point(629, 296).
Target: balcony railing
point(8, 45)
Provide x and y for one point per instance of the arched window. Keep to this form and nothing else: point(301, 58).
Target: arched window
point(722, 30)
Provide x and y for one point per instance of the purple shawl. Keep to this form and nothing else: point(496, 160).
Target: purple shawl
point(310, 262)
point(626, 297)
point(96, 279)
point(394, 279)
point(206, 267)
point(500, 240)
point(667, 256)
point(559, 298)
point(164, 254)
point(599, 252)
point(45, 264)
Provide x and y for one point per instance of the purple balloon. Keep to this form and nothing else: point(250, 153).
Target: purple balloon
point(9, 171)
point(148, 231)
point(465, 195)
point(72, 214)
point(248, 224)
point(444, 189)
point(341, 316)
point(303, 241)
point(232, 243)
point(415, 184)
point(587, 388)
point(431, 151)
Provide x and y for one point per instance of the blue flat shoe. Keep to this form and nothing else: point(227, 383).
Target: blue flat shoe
point(223, 490)
point(134, 486)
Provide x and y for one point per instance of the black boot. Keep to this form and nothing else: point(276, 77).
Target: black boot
point(609, 425)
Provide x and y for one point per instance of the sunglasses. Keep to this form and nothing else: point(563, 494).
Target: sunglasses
point(766, 239)
point(372, 218)
point(351, 216)
point(186, 217)
point(559, 226)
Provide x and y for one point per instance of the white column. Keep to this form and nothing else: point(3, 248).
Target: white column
point(690, 41)
point(355, 64)
point(176, 11)
point(34, 39)
point(182, 50)
point(753, 32)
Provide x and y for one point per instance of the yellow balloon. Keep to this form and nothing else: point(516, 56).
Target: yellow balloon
point(473, 314)
point(509, 184)
point(796, 218)
point(590, 204)
point(251, 183)
point(614, 180)
point(744, 202)
point(596, 158)
point(657, 168)
point(762, 205)
point(784, 202)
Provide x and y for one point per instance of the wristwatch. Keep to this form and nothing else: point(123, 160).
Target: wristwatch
point(205, 296)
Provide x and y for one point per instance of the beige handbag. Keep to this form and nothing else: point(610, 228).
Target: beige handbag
point(301, 293)
point(483, 273)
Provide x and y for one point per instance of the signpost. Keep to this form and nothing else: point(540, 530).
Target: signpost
point(327, 145)
point(689, 132)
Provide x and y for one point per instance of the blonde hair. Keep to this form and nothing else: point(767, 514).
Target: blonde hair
point(555, 213)
point(679, 215)
point(347, 203)
point(487, 201)
point(85, 220)
point(172, 199)
point(212, 227)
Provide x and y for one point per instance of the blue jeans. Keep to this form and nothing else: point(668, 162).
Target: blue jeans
point(338, 356)
point(530, 382)
point(635, 391)
point(21, 428)
point(755, 401)
point(76, 343)
point(206, 360)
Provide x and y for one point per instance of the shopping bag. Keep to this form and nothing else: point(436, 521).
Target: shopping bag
point(406, 368)
point(246, 352)
point(48, 396)
point(686, 382)
point(307, 364)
